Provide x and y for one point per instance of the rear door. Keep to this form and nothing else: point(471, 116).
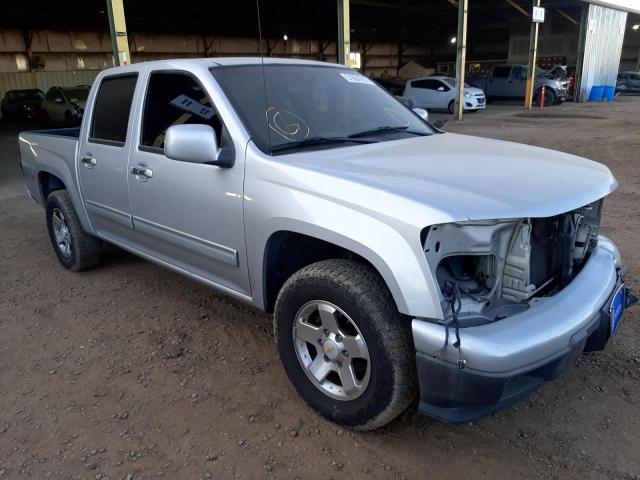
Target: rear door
point(103, 157)
point(189, 215)
point(518, 82)
point(423, 93)
point(498, 81)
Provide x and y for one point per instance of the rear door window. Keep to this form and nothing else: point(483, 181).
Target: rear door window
point(501, 72)
point(112, 109)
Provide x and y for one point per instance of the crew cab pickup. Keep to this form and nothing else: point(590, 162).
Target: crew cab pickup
point(510, 82)
point(396, 258)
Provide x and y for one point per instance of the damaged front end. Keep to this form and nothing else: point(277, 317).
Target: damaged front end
point(521, 300)
point(490, 270)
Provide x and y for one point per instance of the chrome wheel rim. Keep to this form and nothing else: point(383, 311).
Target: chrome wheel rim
point(61, 233)
point(331, 350)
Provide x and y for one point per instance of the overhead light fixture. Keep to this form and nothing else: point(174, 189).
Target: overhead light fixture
point(636, 26)
point(453, 40)
point(285, 37)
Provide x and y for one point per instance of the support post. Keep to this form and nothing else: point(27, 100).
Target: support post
point(118, 29)
point(533, 53)
point(28, 37)
point(461, 58)
point(344, 32)
point(577, 80)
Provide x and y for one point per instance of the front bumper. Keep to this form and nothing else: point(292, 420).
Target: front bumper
point(506, 360)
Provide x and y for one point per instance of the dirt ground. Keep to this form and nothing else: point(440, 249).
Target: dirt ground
point(132, 372)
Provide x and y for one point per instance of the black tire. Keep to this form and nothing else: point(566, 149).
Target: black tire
point(361, 293)
point(549, 97)
point(85, 249)
point(452, 106)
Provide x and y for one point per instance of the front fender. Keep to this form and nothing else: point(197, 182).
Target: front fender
point(394, 250)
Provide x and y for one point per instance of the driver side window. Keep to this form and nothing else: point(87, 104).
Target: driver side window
point(175, 99)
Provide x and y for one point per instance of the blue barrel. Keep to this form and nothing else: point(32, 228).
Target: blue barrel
point(596, 93)
point(609, 93)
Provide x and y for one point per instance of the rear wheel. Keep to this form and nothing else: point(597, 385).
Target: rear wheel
point(549, 97)
point(76, 249)
point(343, 344)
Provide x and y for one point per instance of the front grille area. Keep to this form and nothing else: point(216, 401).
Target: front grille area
point(557, 248)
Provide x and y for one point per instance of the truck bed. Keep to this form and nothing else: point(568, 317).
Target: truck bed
point(73, 132)
point(49, 153)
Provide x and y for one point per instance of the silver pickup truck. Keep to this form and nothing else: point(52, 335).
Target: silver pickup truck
point(396, 258)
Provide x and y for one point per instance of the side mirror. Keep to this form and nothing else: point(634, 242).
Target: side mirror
point(422, 113)
point(193, 143)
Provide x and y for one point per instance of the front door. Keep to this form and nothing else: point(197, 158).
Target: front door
point(498, 81)
point(189, 215)
point(103, 157)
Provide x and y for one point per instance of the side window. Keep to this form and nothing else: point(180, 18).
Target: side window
point(438, 85)
point(175, 99)
point(420, 84)
point(111, 110)
point(51, 95)
point(501, 72)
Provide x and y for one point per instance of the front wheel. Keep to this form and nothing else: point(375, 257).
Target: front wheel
point(452, 107)
point(344, 346)
point(549, 97)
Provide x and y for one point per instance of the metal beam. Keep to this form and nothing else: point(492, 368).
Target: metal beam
point(567, 16)
point(533, 53)
point(118, 29)
point(518, 7)
point(461, 54)
point(453, 2)
point(344, 32)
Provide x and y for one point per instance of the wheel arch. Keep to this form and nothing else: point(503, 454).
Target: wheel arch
point(287, 251)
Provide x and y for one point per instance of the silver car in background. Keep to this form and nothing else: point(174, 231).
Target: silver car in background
point(438, 92)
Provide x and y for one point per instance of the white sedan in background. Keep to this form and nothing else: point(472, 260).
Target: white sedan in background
point(438, 92)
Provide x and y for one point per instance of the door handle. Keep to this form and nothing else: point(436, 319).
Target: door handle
point(88, 161)
point(142, 171)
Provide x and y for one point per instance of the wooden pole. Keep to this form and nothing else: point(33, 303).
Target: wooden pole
point(118, 29)
point(533, 53)
point(344, 32)
point(461, 57)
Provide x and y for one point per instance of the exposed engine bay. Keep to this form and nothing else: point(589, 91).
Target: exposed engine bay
point(489, 270)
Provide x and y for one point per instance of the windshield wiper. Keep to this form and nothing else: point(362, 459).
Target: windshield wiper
point(308, 142)
point(386, 129)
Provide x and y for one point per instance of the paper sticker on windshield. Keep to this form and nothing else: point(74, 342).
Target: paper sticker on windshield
point(188, 104)
point(356, 78)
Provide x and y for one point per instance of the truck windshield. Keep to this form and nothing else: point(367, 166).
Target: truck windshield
point(310, 106)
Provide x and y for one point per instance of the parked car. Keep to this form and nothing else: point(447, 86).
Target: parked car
point(628, 82)
point(510, 82)
point(65, 105)
point(394, 257)
point(395, 88)
point(21, 104)
point(438, 92)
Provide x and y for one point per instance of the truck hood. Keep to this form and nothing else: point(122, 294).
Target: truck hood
point(463, 177)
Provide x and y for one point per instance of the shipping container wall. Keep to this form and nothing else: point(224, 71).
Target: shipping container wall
point(604, 35)
point(75, 51)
